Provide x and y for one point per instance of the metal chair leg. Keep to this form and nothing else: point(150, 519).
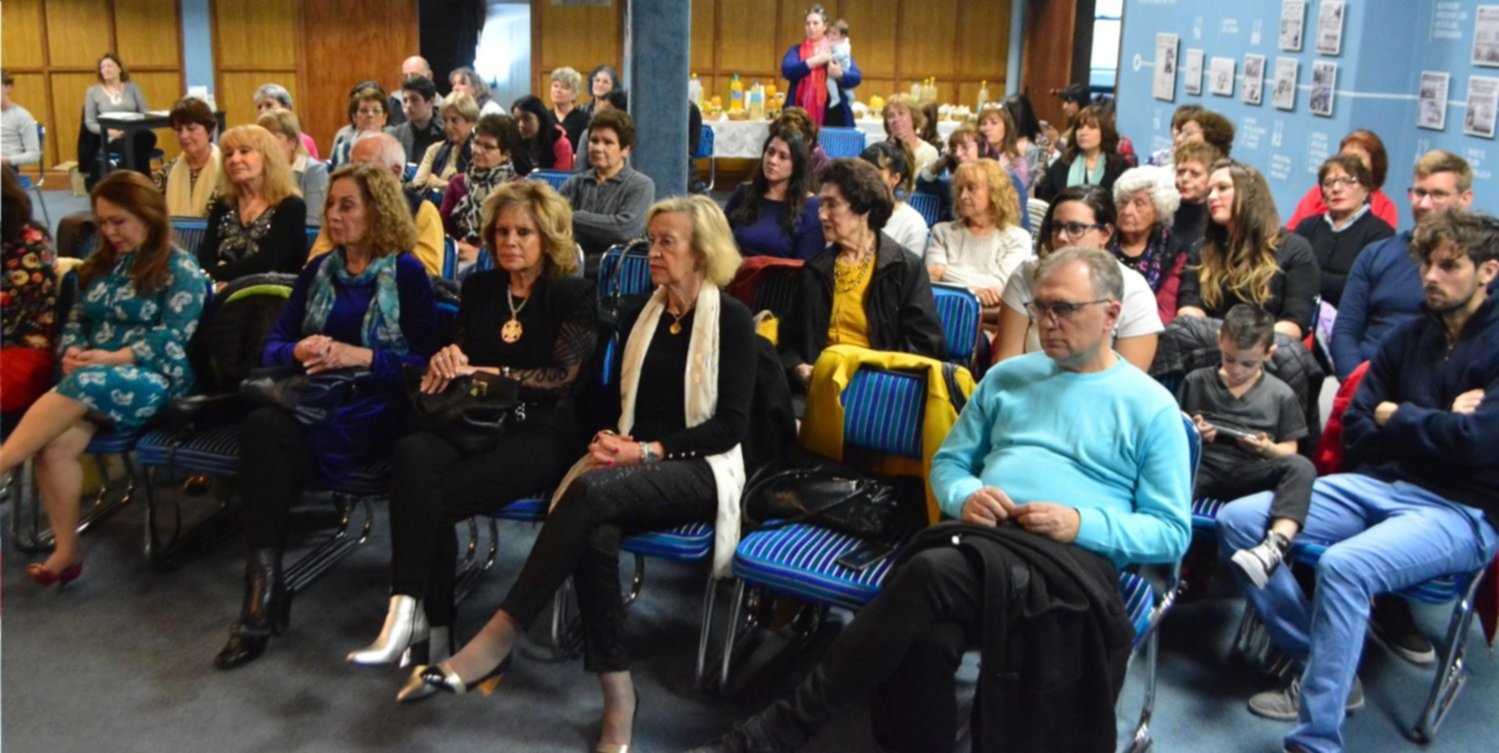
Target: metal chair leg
point(637, 581)
point(336, 547)
point(736, 608)
point(167, 553)
point(701, 671)
point(471, 572)
point(1452, 675)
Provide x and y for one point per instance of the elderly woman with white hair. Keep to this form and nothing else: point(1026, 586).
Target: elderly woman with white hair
point(1147, 200)
point(273, 97)
point(567, 85)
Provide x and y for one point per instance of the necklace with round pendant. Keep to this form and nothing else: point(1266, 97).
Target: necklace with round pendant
point(512, 330)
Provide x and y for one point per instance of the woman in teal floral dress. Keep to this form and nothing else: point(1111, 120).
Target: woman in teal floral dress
point(123, 353)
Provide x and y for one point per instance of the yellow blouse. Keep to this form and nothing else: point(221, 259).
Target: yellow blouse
point(848, 324)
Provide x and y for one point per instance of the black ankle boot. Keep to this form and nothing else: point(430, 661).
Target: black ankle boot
point(266, 611)
point(785, 725)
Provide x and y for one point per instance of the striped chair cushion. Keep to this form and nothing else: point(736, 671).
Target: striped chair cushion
point(188, 233)
point(1205, 513)
point(959, 311)
point(526, 509)
point(882, 412)
point(1139, 602)
point(1439, 590)
point(799, 560)
point(112, 442)
point(929, 205)
point(368, 480)
point(214, 451)
point(841, 142)
point(689, 543)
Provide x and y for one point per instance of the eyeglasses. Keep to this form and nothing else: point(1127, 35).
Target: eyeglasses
point(369, 111)
point(1074, 229)
point(1347, 181)
point(489, 146)
point(1060, 310)
point(1420, 193)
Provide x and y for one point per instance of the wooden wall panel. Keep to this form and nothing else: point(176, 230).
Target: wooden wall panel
point(21, 33)
point(704, 31)
point(339, 54)
point(235, 94)
point(147, 33)
point(872, 33)
point(984, 40)
point(67, 112)
point(740, 49)
point(1049, 39)
point(927, 38)
point(582, 37)
point(255, 34)
point(78, 32)
point(162, 90)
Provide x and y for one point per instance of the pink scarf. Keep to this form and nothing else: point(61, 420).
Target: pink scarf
point(812, 95)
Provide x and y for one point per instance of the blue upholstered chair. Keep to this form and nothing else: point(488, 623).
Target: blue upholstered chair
point(841, 142)
point(962, 316)
point(553, 178)
point(929, 205)
point(705, 151)
point(188, 233)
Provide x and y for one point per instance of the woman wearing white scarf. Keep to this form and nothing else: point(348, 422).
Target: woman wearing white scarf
point(686, 384)
point(191, 180)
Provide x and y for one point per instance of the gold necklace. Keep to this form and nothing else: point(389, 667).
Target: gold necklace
point(512, 330)
point(676, 324)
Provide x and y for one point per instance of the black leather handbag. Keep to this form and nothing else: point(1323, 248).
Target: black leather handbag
point(830, 496)
point(471, 412)
point(312, 399)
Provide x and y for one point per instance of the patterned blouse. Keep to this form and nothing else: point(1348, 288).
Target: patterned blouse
point(28, 298)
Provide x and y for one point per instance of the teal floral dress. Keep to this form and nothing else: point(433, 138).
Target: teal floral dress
point(109, 315)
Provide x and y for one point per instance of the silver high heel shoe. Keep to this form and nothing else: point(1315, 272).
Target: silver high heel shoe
point(441, 646)
point(404, 636)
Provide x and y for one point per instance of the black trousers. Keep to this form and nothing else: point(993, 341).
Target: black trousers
point(903, 651)
point(581, 538)
point(435, 485)
point(1290, 478)
point(275, 461)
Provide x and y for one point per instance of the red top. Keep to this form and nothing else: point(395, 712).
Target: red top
point(1312, 204)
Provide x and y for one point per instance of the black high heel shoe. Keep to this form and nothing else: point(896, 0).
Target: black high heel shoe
point(442, 677)
point(266, 612)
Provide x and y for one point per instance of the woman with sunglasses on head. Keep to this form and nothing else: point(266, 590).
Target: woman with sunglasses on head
point(1080, 216)
point(1247, 257)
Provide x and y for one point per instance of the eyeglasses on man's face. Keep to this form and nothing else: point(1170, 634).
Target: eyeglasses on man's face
point(1058, 310)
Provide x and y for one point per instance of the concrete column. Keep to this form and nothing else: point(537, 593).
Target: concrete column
point(660, 34)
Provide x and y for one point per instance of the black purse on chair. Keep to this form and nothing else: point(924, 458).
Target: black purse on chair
point(312, 399)
point(472, 411)
point(826, 495)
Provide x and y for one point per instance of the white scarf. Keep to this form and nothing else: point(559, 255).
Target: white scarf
point(701, 380)
point(186, 198)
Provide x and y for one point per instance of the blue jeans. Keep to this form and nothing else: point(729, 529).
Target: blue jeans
point(1381, 537)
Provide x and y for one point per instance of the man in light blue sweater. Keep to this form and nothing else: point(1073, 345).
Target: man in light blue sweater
point(1074, 445)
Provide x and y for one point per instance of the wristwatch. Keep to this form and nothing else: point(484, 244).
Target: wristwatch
point(648, 454)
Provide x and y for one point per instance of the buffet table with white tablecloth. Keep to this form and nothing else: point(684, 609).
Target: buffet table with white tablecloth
point(742, 139)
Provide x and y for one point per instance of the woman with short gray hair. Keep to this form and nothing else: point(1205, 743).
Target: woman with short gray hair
point(273, 97)
point(1147, 200)
point(567, 85)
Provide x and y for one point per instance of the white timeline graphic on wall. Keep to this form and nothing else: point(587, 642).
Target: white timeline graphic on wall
point(1221, 77)
point(1431, 105)
point(1292, 24)
point(1486, 36)
point(1483, 106)
point(1163, 83)
point(1192, 73)
point(1284, 95)
point(1324, 87)
point(1254, 79)
point(1330, 27)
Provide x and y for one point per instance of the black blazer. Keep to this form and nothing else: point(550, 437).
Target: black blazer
point(901, 310)
point(1055, 178)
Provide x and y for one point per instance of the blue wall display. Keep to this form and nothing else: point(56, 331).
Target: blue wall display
point(1385, 48)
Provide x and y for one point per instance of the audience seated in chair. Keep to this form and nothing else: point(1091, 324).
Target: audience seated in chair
point(123, 356)
point(1384, 286)
point(774, 213)
point(496, 141)
point(609, 202)
point(963, 146)
point(1340, 234)
point(567, 86)
point(464, 80)
point(1420, 502)
point(260, 223)
point(449, 157)
point(1193, 164)
point(1246, 257)
point(1091, 157)
point(544, 343)
point(383, 151)
point(1081, 216)
point(365, 308)
point(310, 173)
point(19, 141)
point(368, 114)
point(116, 93)
point(985, 246)
point(1147, 200)
point(668, 453)
point(997, 472)
point(275, 98)
point(1369, 149)
point(423, 125)
point(906, 225)
point(864, 289)
point(29, 289)
point(190, 180)
point(547, 146)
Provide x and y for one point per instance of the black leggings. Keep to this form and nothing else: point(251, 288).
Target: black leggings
point(435, 485)
point(276, 460)
point(581, 538)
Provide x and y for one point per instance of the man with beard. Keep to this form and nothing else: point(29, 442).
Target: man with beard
point(1423, 499)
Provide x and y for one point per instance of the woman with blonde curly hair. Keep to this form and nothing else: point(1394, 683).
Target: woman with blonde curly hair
point(1247, 257)
point(529, 319)
point(670, 456)
point(258, 223)
point(985, 244)
point(366, 305)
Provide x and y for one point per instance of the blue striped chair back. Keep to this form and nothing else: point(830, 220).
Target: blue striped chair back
point(841, 142)
point(449, 257)
point(704, 144)
point(410, 172)
point(1139, 602)
point(312, 234)
point(882, 411)
point(188, 232)
point(960, 312)
point(553, 178)
point(929, 205)
point(624, 271)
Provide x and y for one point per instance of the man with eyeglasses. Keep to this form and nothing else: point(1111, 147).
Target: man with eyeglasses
point(384, 150)
point(1062, 467)
point(1423, 500)
point(1384, 286)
